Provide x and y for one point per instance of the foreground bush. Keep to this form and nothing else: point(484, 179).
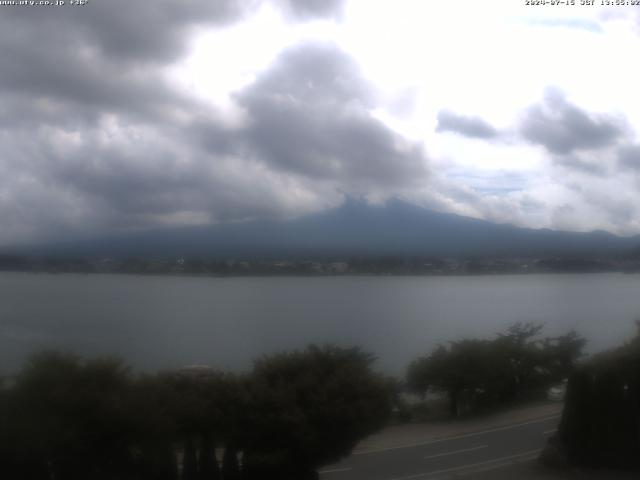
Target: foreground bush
point(67, 418)
point(600, 423)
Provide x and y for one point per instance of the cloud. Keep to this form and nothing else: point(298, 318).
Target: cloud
point(94, 139)
point(75, 65)
point(309, 9)
point(562, 127)
point(110, 55)
point(132, 178)
point(474, 127)
point(121, 29)
point(309, 117)
point(96, 135)
point(629, 157)
point(146, 32)
point(596, 201)
point(630, 16)
point(581, 164)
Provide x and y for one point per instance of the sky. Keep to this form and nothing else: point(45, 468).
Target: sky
point(125, 115)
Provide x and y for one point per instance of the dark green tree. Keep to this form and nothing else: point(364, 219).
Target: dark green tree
point(70, 418)
point(515, 364)
point(207, 406)
point(520, 349)
point(152, 405)
point(561, 354)
point(309, 408)
point(600, 423)
point(467, 371)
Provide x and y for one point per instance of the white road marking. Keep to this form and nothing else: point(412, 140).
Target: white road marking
point(335, 470)
point(456, 451)
point(506, 460)
point(466, 435)
point(547, 432)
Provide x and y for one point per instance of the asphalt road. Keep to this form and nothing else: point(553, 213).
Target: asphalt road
point(454, 456)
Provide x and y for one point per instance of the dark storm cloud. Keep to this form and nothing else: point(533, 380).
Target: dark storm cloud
point(468, 126)
point(106, 55)
point(64, 89)
point(134, 180)
point(309, 117)
point(629, 157)
point(562, 127)
point(123, 29)
point(72, 65)
point(93, 137)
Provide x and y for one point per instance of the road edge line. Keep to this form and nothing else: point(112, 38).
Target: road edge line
point(456, 437)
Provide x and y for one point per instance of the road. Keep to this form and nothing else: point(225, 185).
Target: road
point(454, 456)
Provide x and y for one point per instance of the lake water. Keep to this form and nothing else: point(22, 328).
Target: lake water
point(156, 322)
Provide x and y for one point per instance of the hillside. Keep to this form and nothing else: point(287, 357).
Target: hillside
point(354, 229)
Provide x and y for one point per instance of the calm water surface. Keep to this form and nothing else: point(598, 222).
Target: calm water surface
point(158, 322)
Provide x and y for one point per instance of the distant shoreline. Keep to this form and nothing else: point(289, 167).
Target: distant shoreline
point(323, 266)
point(310, 275)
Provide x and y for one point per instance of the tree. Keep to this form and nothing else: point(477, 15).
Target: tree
point(68, 418)
point(309, 408)
point(600, 423)
point(562, 353)
point(205, 405)
point(520, 349)
point(466, 371)
point(516, 363)
point(152, 405)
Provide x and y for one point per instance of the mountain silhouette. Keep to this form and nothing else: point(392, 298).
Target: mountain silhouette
point(354, 229)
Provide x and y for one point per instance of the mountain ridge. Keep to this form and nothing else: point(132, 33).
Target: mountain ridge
point(354, 229)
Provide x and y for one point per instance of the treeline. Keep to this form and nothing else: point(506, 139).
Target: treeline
point(66, 418)
point(600, 424)
point(297, 266)
point(515, 365)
